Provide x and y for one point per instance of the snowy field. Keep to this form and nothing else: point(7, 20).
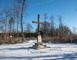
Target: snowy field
point(23, 52)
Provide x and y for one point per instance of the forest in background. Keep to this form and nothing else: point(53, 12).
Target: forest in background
point(11, 21)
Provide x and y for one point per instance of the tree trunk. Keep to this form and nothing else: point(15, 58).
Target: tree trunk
point(12, 38)
point(22, 19)
point(10, 32)
point(5, 29)
point(17, 27)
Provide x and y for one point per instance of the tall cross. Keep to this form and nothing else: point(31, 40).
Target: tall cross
point(38, 22)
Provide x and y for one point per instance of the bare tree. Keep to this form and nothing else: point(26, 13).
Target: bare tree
point(47, 29)
point(67, 31)
point(6, 12)
point(45, 18)
point(60, 26)
point(22, 19)
point(1, 28)
point(52, 28)
point(22, 10)
point(29, 28)
point(74, 30)
point(2, 25)
point(17, 13)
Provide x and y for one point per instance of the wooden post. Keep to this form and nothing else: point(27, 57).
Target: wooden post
point(38, 23)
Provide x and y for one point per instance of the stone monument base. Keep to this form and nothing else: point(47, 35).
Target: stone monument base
point(40, 46)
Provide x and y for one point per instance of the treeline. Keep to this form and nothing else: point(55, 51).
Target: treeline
point(26, 35)
point(11, 24)
point(11, 21)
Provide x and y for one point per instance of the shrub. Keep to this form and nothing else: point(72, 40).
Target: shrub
point(65, 39)
point(1, 42)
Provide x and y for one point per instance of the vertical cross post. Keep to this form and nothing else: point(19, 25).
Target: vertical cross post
point(38, 23)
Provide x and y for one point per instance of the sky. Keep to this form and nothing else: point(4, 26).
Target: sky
point(64, 8)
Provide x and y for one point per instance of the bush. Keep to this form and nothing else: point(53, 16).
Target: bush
point(65, 39)
point(50, 39)
point(1, 42)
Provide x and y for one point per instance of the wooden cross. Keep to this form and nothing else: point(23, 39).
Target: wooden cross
point(38, 22)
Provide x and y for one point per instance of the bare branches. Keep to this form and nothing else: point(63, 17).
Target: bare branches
point(29, 28)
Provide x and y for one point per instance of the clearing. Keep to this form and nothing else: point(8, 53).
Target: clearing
point(22, 51)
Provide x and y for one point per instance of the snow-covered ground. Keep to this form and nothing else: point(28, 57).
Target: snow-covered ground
point(23, 52)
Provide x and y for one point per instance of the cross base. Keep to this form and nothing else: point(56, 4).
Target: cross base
point(40, 46)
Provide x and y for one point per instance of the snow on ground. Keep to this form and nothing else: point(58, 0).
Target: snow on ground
point(23, 52)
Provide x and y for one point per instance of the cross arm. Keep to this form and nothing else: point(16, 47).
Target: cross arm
point(38, 22)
